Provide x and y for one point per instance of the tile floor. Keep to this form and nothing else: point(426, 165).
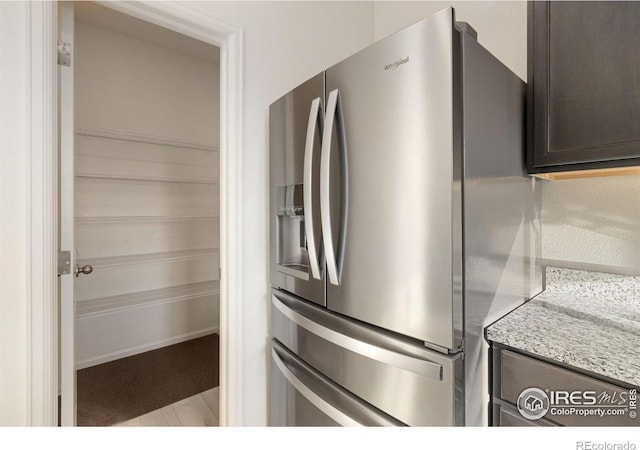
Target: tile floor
point(200, 410)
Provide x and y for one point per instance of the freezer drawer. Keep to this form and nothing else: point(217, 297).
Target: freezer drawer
point(303, 397)
point(416, 386)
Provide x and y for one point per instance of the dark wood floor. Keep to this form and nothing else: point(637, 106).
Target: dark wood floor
point(121, 390)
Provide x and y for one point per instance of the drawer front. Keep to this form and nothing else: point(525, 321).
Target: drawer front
point(403, 379)
point(593, 402)
point(508, 416)
point(300, 396)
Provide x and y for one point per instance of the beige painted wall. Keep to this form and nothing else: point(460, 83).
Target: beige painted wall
point(593, 222)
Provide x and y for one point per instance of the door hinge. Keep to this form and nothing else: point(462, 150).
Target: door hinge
point(64, 263)
point(64, 53)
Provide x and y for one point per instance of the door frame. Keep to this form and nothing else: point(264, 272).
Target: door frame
point(42, 209)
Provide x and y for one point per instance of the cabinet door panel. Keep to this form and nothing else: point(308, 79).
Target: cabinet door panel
point(584, 78)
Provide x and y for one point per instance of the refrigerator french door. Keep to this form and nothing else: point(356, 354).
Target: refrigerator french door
point(295, 130)
point(388, 204)
point(371, 191)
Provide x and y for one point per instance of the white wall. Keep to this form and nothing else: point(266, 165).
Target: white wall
point(13, 216)
point(147, 213)
point(285, 43)
point(589, 221)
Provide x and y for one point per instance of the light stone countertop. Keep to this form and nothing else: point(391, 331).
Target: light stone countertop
point(588, 320)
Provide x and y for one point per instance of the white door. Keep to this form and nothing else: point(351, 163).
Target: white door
point(67, 301)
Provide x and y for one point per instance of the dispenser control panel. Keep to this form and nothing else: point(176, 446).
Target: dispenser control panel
point(290, 200)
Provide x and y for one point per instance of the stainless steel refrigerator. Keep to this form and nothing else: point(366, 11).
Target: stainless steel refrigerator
point(402, 224)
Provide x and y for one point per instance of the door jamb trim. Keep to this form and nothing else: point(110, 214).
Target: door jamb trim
point(41, 170)
point(42, 165)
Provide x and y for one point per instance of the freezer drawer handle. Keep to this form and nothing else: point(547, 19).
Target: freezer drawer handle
point(315, 117)
point(333, 114)
point(427, 369)
point(331, 411)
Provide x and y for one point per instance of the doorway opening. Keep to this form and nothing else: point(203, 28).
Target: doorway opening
point(146, 189)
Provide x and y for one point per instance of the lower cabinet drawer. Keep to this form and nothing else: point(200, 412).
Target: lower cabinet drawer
point(543, 392)
point(508, 416)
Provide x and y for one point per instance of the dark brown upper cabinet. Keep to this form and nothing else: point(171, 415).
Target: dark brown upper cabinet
point(584, 86)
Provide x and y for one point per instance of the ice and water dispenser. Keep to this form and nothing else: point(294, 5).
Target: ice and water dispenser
point(292, 256)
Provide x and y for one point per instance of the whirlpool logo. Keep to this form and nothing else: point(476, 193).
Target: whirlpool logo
point(396, 64)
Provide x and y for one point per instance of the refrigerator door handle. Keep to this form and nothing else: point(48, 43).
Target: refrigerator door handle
point(327, 408)
point(334, 111)
point(424, 368)
point(315, 118)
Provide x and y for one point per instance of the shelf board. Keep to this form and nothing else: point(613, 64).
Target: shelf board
point(147, 258)
point(144, 219)
point(129, 159)
point(131, 136)
point(136, 299)
point(146, 179)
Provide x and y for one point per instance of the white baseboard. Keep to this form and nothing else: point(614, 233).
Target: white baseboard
point(108, 357)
